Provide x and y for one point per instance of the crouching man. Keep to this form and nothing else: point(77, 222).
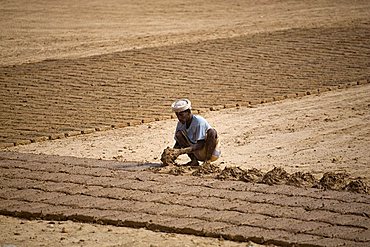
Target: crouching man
point(194, 136)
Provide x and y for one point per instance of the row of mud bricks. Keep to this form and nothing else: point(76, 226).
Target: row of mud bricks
point(246, 103)
point(100, 191)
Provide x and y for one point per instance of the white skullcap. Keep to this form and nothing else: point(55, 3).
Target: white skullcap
point(181, 105)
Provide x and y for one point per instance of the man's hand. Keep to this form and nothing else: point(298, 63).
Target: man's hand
point(169, 155)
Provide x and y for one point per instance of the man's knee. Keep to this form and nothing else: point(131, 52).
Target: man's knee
point(179, 135)
point(181, 139)
point(211, 134)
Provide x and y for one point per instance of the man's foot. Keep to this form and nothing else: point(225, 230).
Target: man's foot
point(192, 163)
point(181, 151)
point(207, 162)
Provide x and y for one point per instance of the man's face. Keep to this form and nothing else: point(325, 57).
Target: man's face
point(183, 116)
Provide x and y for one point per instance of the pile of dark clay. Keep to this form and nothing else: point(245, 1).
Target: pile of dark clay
point(329, 180)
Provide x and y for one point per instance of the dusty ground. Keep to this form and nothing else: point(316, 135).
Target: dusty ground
point(20, 232)
point(34, 31)
point(316, 133)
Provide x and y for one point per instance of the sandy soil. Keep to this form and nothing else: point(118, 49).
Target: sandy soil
point(38, 30)
point(67, 233)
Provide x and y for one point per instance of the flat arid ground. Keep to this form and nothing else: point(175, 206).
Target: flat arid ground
point(285, 84)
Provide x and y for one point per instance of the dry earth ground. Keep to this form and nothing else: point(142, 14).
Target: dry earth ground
point(34, 31)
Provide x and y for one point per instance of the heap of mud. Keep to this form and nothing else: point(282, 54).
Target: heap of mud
point(329, 180)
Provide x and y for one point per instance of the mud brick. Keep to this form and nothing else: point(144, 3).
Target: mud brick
point(39, 138)
point(362, 236)
point(148, 176)
point(211, 228)
point(116, 193)
point(313, 215)
point(55, 136)
point(137, 195)
point(198, 191)
point(264, 198)
point(148, 120)
point(10, 173)
point(283, 190)
point(343, 219)
point(54, 186)
point(339, 196)
point(6, 145)
point(34, 208)
point(213, 203)
point(116, 182)
point(237, 218)
point(347, 208)
point(194, 181)
point(342, 232)
point(204, 192)
point(53, 210)
point(230, 185)
point(70, 200)
point(156, 197)
point(216, 108)
point(6, 205)
point(71, 178)
point(179, 199)
point(290, 225)
point(165, 178)
point(19, 183)
point(32, 195)
point(179, 211)
point(334, 242)
point(87, 214)
point(169, 209)
point(152, 222)
point(199, 213)
point(142, 185)
point(72, 133)
point(226, 194)
point(126, 205)
point(103, 128)
point(10, 193)
point(229, 105)
point(264, 236)
point(27, 210)
point(278, 98)
point(291, 95)
point(267, 100)
point(187, 226)
point(174, 188)
point(12, 163)
point(306, 202)
point(22, 142)
point(270, 210)
point(80, 189)
point(113, 204)
point(134, 122)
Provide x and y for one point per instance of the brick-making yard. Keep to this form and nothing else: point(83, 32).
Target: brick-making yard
point(71, 69)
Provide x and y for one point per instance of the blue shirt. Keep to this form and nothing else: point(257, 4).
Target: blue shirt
point(197, 129)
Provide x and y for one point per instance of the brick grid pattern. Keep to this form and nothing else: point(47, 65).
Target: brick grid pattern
point(58, 98)
point(86, 190)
